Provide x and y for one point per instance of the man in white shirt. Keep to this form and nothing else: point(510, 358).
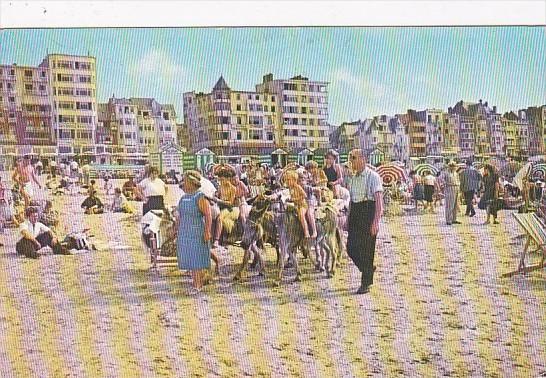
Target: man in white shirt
point(35, 236)
point(366, 208)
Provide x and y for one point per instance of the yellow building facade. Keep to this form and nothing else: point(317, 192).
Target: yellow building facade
point(73, 83)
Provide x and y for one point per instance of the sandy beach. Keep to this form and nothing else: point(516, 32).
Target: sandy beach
point(438, 307)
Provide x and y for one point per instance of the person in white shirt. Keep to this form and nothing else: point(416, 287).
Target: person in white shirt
point(153, 190)
point(430, 183)
point(35, 236)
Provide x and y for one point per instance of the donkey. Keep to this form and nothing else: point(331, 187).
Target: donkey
point(259, 229)
point(329, 240)
point(291, 237)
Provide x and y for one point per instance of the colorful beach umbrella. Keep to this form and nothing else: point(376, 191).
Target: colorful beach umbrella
point(477, 164)
point(390, 173)
point(539, 171)
point(420, 168)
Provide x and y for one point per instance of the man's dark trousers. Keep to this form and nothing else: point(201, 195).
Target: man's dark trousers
point(468, 198)
point(360, 242)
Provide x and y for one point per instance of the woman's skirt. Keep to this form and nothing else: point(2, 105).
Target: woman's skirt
point(153, 203)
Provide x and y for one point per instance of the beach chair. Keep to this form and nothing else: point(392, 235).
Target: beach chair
point(536, 238)
point(154, 237)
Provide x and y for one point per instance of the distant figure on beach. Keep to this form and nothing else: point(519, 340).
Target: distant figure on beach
point(470, 180)
point(452, 184)
point(92, 204)
point(24, 175)
point(153, 189)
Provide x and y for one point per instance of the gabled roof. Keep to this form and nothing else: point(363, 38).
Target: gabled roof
point(171, 145)
point(221, 85)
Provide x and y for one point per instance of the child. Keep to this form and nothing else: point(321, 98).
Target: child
point(50, 217)
point(120, 203)
point(298, 196)
point(92, 187)
point(317, 181)
point(229, 210)
point(108, 186)
point(92, 204)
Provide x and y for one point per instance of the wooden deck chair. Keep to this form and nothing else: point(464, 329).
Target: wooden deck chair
point(536, 236)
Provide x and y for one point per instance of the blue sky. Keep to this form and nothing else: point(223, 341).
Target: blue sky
point(371, 71)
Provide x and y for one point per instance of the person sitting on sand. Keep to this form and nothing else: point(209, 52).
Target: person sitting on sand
point(120, 203)
point(50, 217)
point(129, 188)
point(92, 204)
point(35, 236)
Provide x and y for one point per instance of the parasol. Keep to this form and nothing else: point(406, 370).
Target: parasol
point(391, 173)
point(421, 168)
point(539, 171)
point(478, 165)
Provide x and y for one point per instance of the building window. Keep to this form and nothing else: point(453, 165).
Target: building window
point(273, 109)
point(239, 136)
point(12, 72)
point(238, 120)
point(239, 107)
point(11, 99)
point(28, 73)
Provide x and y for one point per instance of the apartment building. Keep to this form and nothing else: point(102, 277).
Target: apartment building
point(73, 82)
point(302, 111)
point(25, 106)
point(231, 122)
point(416, 126)
point(536, 118)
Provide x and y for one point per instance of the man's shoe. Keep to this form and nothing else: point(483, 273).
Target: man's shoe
point(471, 215)
point(456, 222)
point(363, 289)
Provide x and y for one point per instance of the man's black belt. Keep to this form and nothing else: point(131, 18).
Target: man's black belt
point(365, 201)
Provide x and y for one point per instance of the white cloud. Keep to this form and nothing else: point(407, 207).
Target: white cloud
point(157, 63)
point(359, 83)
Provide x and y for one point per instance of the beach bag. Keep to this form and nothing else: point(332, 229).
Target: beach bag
point(76, 241)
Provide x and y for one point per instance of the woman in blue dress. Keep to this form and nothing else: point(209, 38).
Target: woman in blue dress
point(194, 229)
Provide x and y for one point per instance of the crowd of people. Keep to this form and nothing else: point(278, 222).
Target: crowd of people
point(203, 218)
